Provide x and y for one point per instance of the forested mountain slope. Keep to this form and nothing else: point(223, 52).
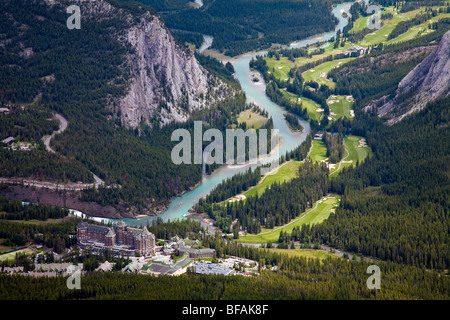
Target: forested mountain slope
point(395, 204)
point(426, 82)
point(166, 81)
point(116, 81)
point(239, 26)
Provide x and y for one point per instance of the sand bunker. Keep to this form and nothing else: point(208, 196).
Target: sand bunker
point(239, 197)
point(362, 143)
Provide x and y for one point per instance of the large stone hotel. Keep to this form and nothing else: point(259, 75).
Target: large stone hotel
point(120, 238)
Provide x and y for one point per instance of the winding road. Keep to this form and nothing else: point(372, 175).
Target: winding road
point(340, 162)
point(62, 127)
point(73, 186)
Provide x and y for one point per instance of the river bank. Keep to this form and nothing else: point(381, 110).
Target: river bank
point(179, 207)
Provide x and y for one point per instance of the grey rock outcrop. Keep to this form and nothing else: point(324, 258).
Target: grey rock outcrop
point(166, 81)
point(429, 80)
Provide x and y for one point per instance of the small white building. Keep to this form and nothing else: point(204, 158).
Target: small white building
point(8, 140)
point(105, 266)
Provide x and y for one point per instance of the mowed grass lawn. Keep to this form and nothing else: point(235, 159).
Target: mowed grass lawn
point(360, 24)
point(252, 119)
point(356, 153)
point(419, 30)
point(352, 145)
point(318, 151)
point(322, 208)
point(319, 73)
point(12, 255)
point(382, 34)
point(280, 68)
point(310, 105)
point(311, 108)
point(307, 253)
point(286, 172)
point(291, 96)
point(340, 107)
point(320, 211)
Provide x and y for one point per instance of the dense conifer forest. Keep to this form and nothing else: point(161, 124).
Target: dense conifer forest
point(239, 26)
point(394, 205)
point(279, 204)
point(16, 210)
point(243, 181)
point(394, 208)
point(65, 79)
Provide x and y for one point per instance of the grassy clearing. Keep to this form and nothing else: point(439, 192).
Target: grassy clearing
point(360, 24)
point(291, 96)
point(310, 105)
point(38, 222)
point(286, 172)
point(340, 106)
point(320, 212)
point(382, 34)
point(252, 119)
point(320, 72)
point(12, 255)
point(419, 30)
point(311, 108)
point(323, 208)
point(280, 68)
point(356, 153)
point(191, 46)
point(307, 253)
point(318, 151)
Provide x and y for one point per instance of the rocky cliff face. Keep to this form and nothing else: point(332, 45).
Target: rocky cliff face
point(166, 81)
point(429, 80)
